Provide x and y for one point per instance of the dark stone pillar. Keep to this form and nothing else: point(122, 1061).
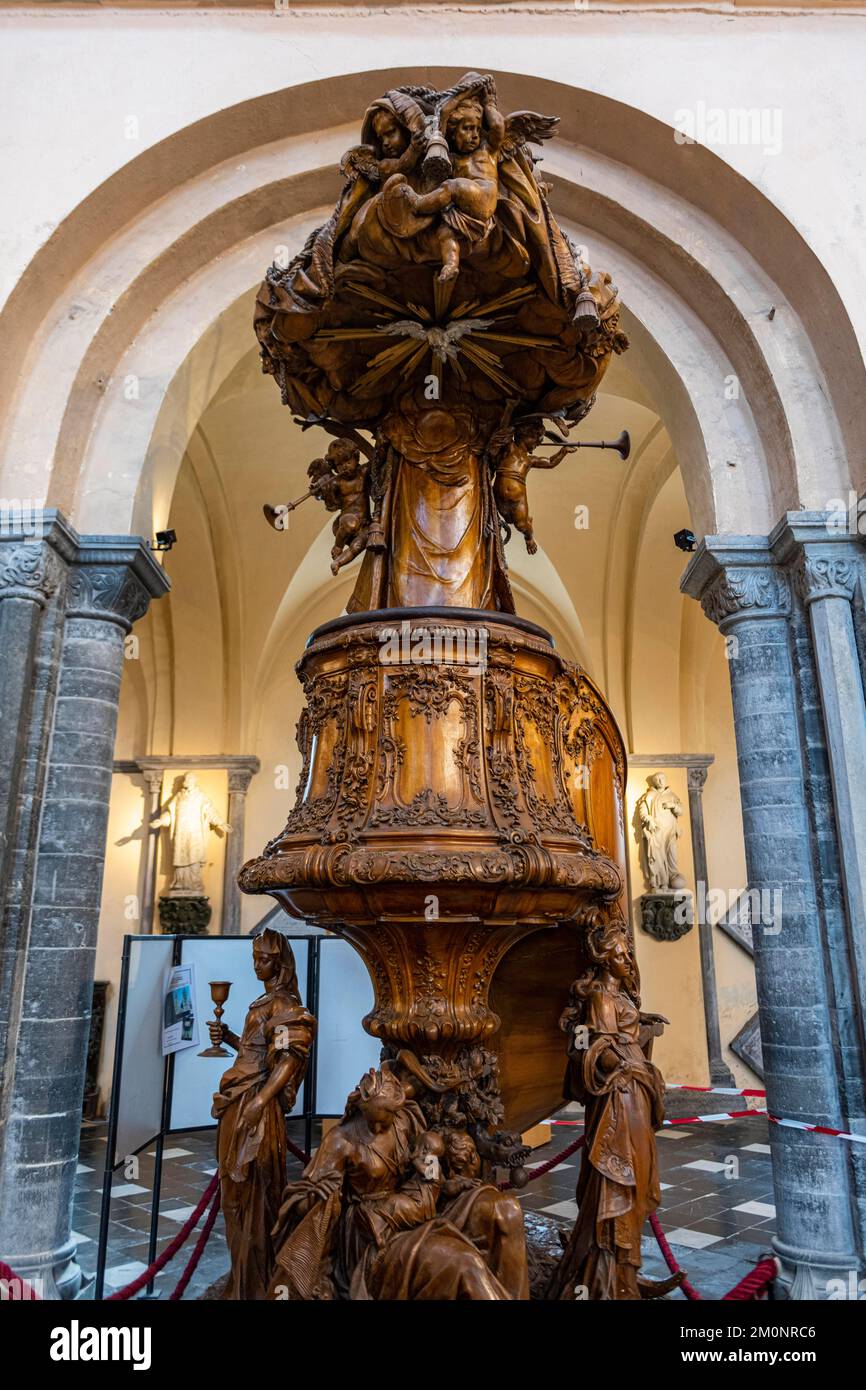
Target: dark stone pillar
point(720, 1072)
point(107, 585)
point(750, 599)
point(32, 569)
point(827, 564)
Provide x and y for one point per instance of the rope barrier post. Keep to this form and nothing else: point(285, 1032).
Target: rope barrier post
point(113, 1111)
point(164, 1122)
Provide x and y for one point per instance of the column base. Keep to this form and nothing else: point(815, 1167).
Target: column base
point(721, 1075)
point(53, 1275)
point(812, 1276)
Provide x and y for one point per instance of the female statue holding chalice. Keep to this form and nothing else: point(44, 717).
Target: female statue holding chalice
point(255, 1094)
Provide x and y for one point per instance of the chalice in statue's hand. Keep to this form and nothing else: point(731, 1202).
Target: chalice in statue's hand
point(219, 993)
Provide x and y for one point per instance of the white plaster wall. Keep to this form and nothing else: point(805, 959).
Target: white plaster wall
point(124, 80)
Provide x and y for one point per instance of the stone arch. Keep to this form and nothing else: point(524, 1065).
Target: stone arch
point(699, 278)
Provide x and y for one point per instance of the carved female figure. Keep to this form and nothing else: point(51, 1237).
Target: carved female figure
point(362, 1223)
point(623, 1094)
point(254, 1095)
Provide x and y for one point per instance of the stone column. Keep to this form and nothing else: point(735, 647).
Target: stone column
point(826, 584)
point(749, 598)
point(32, 568)
point(827, 566)
point(239, 777)
point(109, 585)
point(720, 1072)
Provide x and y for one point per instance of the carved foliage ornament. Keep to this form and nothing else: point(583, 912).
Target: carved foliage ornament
point(29, 571)
point(821, 576)
point(743, 593)
point(111, 593)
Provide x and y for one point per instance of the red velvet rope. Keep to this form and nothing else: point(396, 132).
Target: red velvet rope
point(27, 1290)
point(753, 1284)
point(298, 1153)
point(670, 1259)
point(196, 1255)
point(170, 1250)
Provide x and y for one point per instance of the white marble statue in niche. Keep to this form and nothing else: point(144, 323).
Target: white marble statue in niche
point(659, 811)
point(191, 817)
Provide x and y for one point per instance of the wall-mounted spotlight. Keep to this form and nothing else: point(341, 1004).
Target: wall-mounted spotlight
point(685, 540)
point(164, 540)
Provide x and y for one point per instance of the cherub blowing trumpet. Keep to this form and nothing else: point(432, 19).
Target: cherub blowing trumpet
point(515, 461)
point(338, 480)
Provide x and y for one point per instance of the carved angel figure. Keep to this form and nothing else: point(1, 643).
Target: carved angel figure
point(474, 130)
point(339, 480)
point(509, 487)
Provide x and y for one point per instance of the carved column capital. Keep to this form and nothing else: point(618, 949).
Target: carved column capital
point(113, 579)
point(824, 576)
point(109, 594)
point(239, 779)
point(746, 592)
point(153, 778)
point(696, 778)
point(29, 570)
point(33, 561)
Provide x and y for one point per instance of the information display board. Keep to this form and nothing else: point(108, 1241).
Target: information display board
point(139, 1069)
point(219, 958)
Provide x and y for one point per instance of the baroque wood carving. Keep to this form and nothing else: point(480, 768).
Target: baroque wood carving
point(461, 786)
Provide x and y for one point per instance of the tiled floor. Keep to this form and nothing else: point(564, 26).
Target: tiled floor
point(717, 1199)
point(717, 1202)
point(187, 1168)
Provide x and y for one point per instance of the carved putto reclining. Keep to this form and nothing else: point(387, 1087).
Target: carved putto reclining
point(442, 311)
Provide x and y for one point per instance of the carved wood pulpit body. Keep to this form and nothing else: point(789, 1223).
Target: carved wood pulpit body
point(459, 815)
point(447, 811)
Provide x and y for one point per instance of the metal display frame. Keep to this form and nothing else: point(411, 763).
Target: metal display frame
point(309, 1113)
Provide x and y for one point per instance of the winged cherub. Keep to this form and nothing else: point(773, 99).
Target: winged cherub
point(339, 480)
point(509, 488)
point(477, 136)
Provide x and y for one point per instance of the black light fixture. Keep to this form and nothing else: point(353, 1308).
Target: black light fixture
point(685, 540)
point(164, 540)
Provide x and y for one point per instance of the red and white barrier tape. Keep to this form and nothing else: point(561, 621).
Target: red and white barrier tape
point(745, 1114)
point(719, 1115)
point(715, 1090)
point(817, 1129)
